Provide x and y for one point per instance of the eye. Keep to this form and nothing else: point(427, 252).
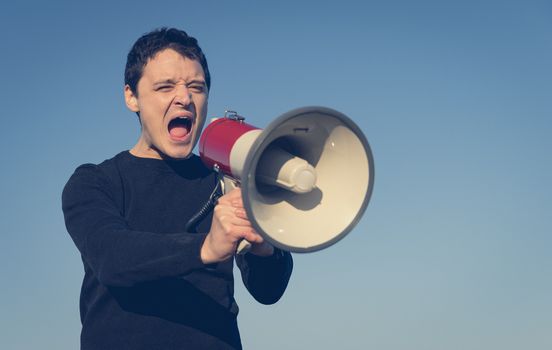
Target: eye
point(164, 88)
point(197, 88)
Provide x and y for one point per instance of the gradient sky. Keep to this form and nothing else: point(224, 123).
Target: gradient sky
point(454, 251)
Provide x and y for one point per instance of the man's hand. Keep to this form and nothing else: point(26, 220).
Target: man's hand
point(229, 226)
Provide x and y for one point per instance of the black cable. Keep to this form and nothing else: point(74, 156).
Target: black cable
point(207, 207)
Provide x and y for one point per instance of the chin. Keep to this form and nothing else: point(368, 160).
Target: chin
point(178, 153)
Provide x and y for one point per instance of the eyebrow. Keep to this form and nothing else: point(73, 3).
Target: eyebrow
point(165, 81)
point(172, 81)
point(198, 81)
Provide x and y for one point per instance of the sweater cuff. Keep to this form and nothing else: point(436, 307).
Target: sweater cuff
point(192, 252)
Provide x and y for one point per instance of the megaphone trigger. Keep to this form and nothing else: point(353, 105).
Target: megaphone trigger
point(243, 247)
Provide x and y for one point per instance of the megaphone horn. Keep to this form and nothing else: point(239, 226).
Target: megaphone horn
point(306, 179)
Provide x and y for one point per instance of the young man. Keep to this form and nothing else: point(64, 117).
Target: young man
point(148, 283)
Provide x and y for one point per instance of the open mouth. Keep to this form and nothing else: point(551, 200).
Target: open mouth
point(179, 128)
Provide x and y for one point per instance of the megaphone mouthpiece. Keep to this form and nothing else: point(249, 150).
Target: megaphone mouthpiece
point(280, 168)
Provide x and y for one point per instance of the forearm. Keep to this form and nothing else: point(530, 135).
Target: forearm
point(117, 254)
point(125, 257)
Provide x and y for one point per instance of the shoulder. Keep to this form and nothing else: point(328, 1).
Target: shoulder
point(103, 176)
point(106, 168)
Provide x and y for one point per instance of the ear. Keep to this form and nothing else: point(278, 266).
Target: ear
point(131, 100)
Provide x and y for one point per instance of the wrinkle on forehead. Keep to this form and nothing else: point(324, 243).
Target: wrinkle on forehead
point(170, 66)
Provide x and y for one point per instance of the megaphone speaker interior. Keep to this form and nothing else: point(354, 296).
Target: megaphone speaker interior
point(306, 179)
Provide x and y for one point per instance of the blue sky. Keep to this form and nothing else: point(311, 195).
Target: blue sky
point(454, 98)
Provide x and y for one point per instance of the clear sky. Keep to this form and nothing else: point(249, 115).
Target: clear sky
point(454, 251)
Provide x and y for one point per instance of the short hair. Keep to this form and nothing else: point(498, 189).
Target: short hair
point(149, 44)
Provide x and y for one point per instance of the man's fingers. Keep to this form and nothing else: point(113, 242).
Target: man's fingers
point(233, 199)
point(241, 223)
point(237, 202)
point(241, 213)
point(253, 237)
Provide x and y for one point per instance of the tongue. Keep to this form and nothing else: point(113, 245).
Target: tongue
point(178, 131)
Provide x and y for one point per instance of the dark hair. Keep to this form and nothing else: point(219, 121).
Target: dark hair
point(148, 45)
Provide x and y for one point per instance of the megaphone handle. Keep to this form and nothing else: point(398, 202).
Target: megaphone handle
point(229, 184)
point(243, 247)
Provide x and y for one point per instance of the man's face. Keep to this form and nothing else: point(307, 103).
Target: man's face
point(172, 102)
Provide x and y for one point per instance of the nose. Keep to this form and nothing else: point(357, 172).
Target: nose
point(183, 96)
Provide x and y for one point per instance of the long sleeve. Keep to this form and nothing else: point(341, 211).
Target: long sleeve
point(117, 255)
point(144, 284)
point(266, 278)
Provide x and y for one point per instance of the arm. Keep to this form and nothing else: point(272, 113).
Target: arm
point(229, 226)
point(265, 270)
point(117, 255)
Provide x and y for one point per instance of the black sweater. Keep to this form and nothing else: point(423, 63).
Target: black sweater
point(145, 286)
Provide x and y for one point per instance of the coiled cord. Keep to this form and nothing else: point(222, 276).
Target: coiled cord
point(207, 207)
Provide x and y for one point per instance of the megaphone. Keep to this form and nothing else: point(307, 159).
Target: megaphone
point(306, 179)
